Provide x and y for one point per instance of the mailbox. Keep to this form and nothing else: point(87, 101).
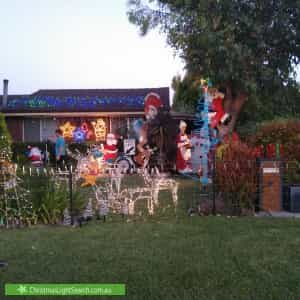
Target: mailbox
point(270, 185)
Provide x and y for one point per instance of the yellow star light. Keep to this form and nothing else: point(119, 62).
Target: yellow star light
point(67, 130)
point(88, 180)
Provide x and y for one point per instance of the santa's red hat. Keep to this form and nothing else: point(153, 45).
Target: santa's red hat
point(152, 99)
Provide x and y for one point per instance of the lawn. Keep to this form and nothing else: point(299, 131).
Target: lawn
point(162, 258)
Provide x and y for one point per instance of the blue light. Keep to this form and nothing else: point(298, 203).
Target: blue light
point(79, 135)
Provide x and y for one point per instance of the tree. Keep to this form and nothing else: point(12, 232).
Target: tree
point(186, 94)
point(250, 47)
point(5, 140)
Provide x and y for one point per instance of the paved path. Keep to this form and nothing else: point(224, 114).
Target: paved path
point(278, 214)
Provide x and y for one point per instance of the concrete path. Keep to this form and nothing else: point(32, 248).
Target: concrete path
point(278, 214)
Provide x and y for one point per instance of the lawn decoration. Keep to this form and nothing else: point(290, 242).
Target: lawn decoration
point(67, 130)
point(35, 156)
point(15, 207)
point(88, 180)
point(110, 149)
point(79, 135)
point(88, 212)
point(152, 104)
point(99, 129)
point(201, 136)
point(159, 182)
point(219, 115)
point(160, 133)
point(209, 120)
point(67, 220)
point(183, 150)
point(118, 200)
point(89, 166)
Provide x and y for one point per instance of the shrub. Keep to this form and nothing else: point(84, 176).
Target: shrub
point(287, 134)
point(284, 132)
point(50, 197)
point(236, 177)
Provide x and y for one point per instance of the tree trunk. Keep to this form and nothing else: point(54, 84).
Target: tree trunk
point(232, 105)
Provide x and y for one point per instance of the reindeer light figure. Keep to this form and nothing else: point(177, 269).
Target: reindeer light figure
point(111, 196)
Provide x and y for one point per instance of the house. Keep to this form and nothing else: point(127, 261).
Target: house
point(91, 113)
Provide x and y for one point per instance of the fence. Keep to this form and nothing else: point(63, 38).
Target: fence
point(32, 195)
point(240, 188)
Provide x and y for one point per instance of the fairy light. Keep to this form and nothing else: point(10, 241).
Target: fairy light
point(99, 129)
point(67, 130)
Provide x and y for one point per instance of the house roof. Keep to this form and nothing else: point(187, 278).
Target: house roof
point(84, 100)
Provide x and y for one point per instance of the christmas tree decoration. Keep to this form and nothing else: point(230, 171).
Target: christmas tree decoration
point(5, 141)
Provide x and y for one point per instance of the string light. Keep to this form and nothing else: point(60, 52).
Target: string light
point(67, 130)
point(99, 129)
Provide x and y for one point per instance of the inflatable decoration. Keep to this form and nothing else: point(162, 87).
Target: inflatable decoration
point(183, 150)
point(110, 148)
point(35, 155)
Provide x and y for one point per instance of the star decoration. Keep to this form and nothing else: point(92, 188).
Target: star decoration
point(88, 180)
point(67, 130)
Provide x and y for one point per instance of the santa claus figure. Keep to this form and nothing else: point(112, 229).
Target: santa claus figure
point(110, 149)
point(183, 150)
point(152, 104)
point(35, 155)
point(219, 117)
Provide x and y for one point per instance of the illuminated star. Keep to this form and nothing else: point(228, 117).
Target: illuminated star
point(88, 180)
point(67, 129)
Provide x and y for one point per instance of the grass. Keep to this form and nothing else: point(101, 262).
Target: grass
point(183, 258)
point(166, 256)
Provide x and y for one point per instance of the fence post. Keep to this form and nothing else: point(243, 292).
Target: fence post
point(71, 195)
point(213, 183)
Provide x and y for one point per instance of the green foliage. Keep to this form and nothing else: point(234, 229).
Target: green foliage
point(50, 197)
point(186, 94)
point(54, 202)
point(267, 106)
point(5, 140)
point(251, 45)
